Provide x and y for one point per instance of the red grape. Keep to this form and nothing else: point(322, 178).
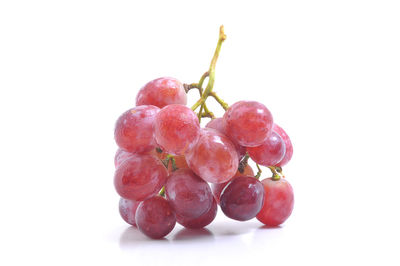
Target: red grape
point(242, 198)
point(134, 129)
point(218, 125)
point(127, 209)
point(155, 217)
point(217, 188)
point(188, 194)
point(248, 123)
point(278, 202)
point(121, 156)
point(176, 129)
point(140, 177)
point(213, 157)
point(162, 92)
point(180, 161)
point(201, 221)
point(270, 152)
point(288, 145)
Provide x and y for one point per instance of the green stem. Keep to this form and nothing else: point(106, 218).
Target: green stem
point(243, 163)
point(275, 174)
point(219, 100)
point(162, 192)
point(259, 171)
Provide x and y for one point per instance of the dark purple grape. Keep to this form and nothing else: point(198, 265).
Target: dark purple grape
point(155, 217)
point(242, 198)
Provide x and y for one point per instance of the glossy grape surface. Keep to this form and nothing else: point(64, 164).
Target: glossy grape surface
point(248, 123)
point(127, 209)
point(242, 198)
point(278, 202)
point(189, 195)
point(201, 221)
point(218, 125)
point(270, 153)
point(176, 129)
point(213, 157)
point(162, 92)
point(288, 145)
point(121, 156)
point(134, 129)
point(217, 188)
point(155, 217)
point(140, 177)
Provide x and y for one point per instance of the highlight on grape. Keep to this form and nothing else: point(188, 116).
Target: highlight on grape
point(170, 170)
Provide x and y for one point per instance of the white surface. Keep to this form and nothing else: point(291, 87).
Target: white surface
point(328, 71)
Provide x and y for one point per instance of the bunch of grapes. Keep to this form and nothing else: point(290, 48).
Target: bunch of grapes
point(169, 169)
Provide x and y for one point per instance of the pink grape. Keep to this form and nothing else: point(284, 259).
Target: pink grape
point(218, 125)
point(127, 210)
point(242, 198)
point(270, 152)
point(278, 202)
point(134, 129)
point(155, 217)
point(288, 145)
point(140, 177)
point(162, 92)
point(176, 129)
point(248, 123)
point(189, 195)
point(213, 157)
point(121, 156)
point(201, 221)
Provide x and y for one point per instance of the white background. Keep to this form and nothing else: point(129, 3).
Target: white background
point(328, 71)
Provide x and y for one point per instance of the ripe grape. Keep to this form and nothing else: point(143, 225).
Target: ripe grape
point(127, 209)
point(155, 217)
point(140, 177)
point(218, 125)
point(278, 202)
point(217, 188)
point(134, 129)
point(162, 92)
point(189, 195)
point(248, 123)
point(213, 157)
point(176, 129)
point(242, 198)
point(121, 156)
point(288, 145)
point(201, 221)
point(270, 152)
point(180, 161)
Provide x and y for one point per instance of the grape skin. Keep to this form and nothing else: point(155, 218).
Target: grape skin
point(121, 156)
point(176, 129)
point(201, 221)
point(270, 152)
point(242, 198)
point(162, 92)
point(134, 129)
point(155, 217)
point(278, 202)
point(288, 145)
point(213, 157)
point(127, 210)
point(189, 195)
point(248, 123)
point(140, 177)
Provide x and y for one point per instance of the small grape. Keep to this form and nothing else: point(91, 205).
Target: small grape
point(121, 156)
point(127, 209)
point(189, 195)
point(270, 152)
point(218, 125)
point(140, 177)
point(248, 123)
point(176, 129)
point(201, 221)
point(155, 217)
point(213, 157)
point(278, 202)
point(162, 92)
point(242, 198)
point(134, 129)
point(288, 145)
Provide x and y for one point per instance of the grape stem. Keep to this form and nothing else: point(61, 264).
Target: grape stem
point(162, 192)
point(259, 171)
point(243, 163)
point(275, 174)
point(210, 74)
point(224, 105)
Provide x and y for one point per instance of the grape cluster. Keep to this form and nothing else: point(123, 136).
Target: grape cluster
point(169, 169)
